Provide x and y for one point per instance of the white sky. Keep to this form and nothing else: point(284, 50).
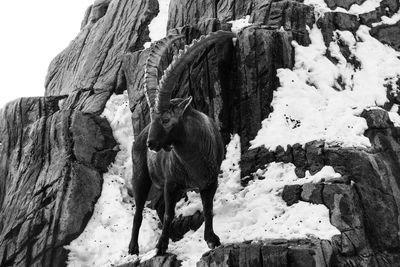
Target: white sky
point(32, 34)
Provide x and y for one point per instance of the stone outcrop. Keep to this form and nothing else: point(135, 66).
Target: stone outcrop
point(343, 3)
point(300, 253)
point(260, 50)
point(332, 21)
point(386, 8)
point(388, 34)
point(364, 202)
point(91, 64)
point(51, 163)
point(168, 260)
point(54, 149)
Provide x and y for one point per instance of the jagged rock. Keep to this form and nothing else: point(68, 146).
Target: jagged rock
point(234, 84)
point(99, 9)
point(256, 78)
point(168, 260)
point(346, 4)
point(93, 59)
point(283, 253)
point(255, 159)
point(291, 194)
point(87, 101)
point(377, 119)
point(388, 34)
point(312, 193)
point(86, 17)
point(287, 14)
point(313, 154)
point(332, 21)
point(366, 210)
point(232, 10)
point(50, 178)
point(386, 8)
point(181, 225)
point(182, 12)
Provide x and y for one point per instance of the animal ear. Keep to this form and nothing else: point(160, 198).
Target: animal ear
point(182, 106)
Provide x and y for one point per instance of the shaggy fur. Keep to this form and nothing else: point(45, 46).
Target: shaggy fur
point(187, 153)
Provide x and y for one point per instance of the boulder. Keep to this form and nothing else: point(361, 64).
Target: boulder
point(306, 252)
point(346, 4)
point(388, 34)
point(168, 260)
point(332, 21)
point(386, 8)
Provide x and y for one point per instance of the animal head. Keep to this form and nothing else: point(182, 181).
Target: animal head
point(166, 114)
point(165, 126)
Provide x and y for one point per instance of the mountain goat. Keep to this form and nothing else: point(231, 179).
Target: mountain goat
point(181, 148)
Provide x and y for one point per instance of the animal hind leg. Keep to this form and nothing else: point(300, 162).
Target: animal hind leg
point(141, 187)
point(207, 197)
point(170, 199)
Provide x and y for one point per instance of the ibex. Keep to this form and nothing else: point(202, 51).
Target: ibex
point(181, 148)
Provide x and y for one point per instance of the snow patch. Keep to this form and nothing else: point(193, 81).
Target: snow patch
point(257, 212)
point(320, 7)
point(320, 100)
point(239, 24)
point(388, 20)
point(394, 115)
point(367, 6)
point(105, 239)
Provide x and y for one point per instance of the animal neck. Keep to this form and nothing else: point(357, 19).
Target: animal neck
point(196, 140)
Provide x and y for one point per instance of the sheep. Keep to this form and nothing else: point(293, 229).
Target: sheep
point(181, 148)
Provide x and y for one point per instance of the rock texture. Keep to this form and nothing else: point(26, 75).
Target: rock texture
point(90, 66)
point(364, 203)
point(260, 50)
point(386, 8)
point(300, 253)
point(388, 34)
point(51, 163)
point(168, 260)
point(54, 149)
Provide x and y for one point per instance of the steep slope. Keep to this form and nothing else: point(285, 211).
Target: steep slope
point(54, 149)
point(311, 177)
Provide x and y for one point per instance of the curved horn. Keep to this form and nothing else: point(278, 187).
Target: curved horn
point(180, 61)
point(157, 51)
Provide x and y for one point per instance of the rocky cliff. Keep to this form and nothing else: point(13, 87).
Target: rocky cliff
point(55, 149)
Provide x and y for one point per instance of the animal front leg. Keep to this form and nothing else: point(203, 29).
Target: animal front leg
point(141, 187)
point(170, 198)
point(207, 196)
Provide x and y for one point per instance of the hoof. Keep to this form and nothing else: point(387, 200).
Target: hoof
point(162, 247)
point(133, 250)
point(213, 241)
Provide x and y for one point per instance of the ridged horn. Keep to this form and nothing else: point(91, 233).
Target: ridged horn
point(179, 63)
point(158, 49)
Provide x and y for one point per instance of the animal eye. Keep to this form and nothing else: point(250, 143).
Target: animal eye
point(165, 121)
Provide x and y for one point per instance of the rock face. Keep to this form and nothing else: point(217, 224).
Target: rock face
point(386, 8)
point(54, 149)
point(51, 163)
point(168, 260)
point(364, 203)
point(388, 34)
point(301, 253)
point(89, 69)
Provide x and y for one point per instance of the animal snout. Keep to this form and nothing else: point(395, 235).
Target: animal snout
point(152, 145)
